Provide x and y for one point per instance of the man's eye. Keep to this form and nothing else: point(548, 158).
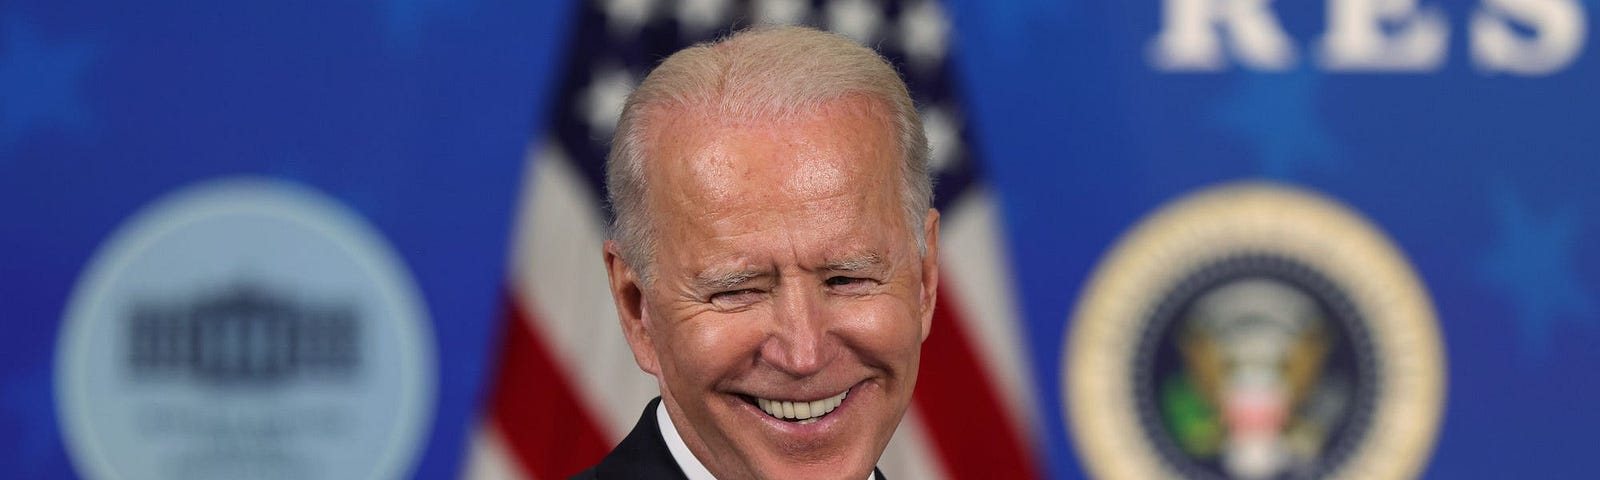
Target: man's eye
point(735, 298)
point(842, 281)
point(851, 285)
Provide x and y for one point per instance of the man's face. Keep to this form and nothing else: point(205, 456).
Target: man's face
point(785, 275)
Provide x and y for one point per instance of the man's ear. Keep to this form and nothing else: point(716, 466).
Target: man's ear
point(631, 311)
point(930, 270)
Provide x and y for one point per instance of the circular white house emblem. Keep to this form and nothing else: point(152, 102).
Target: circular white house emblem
point(245, 328)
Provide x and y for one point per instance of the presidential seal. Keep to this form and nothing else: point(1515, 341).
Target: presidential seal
point(245, 328)
point(1254, 331)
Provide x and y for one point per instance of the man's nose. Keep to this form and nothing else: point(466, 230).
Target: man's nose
point(799, 344)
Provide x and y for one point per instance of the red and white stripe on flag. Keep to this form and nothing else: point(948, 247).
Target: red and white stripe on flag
point(567, 388)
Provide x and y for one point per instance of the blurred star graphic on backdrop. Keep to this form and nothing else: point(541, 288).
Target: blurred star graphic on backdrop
point(1531, 263)
point(52, 72)
point(1276, 115)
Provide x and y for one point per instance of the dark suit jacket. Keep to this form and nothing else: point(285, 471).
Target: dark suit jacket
point(643, 455)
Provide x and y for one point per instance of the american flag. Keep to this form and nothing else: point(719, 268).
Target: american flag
point(567, 389)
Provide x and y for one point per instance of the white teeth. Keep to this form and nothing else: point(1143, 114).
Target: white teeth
point(805, 412)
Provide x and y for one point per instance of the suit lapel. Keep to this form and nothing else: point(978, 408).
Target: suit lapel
point(642, 454)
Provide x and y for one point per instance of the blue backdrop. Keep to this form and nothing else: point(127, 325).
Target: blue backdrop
point(416, 114)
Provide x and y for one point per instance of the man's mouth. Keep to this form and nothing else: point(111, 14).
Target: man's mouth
point(799, 412)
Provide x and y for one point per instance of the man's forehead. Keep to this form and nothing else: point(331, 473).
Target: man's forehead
point(804, 157)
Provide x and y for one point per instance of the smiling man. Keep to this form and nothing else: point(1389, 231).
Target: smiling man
point(773, 258)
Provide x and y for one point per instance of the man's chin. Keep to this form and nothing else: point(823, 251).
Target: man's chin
point(851, 463)
point(829, 470)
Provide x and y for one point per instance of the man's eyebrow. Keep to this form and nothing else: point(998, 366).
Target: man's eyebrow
point(719, 279)
point(855, 263)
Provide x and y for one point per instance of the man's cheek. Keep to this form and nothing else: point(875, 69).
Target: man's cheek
point(715, 344)
point(889, 328)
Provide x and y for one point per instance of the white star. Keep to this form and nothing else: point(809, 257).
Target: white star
point(624, 17)
point(857, 19)
point(697, 16)
point(923, 31)
point(781, 12)
point(944, 137)
point(603, 99)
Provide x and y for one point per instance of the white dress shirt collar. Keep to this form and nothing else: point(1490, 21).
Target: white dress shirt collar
point(691, 466)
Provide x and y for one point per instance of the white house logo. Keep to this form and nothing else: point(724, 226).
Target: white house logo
point(245, 329)
point(1259, 332)
point(243, 336)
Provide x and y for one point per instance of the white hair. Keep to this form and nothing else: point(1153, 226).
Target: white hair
point(759, 75)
